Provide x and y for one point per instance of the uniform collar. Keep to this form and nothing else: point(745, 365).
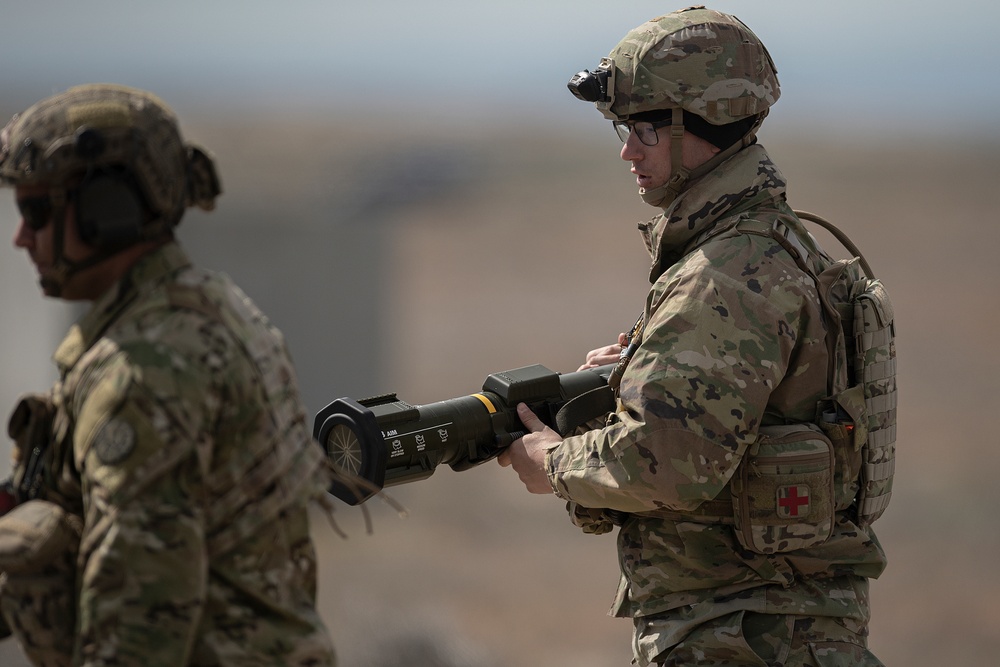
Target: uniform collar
point(146, 274)
point(746, 180)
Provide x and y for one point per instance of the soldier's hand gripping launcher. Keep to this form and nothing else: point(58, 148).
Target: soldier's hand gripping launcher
point(385, 441)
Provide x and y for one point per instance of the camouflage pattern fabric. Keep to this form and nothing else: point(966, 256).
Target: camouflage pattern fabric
point(733, 340)
point(700, 60)
point(38, 545)
point(747, 639)
point(179, 403)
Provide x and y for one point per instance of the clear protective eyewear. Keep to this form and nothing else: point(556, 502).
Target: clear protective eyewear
point(645, 130)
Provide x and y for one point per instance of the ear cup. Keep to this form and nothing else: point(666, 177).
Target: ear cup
point(109, 211)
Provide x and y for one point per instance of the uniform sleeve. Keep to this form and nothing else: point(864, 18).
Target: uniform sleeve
point(144, 559)
point(716, 344)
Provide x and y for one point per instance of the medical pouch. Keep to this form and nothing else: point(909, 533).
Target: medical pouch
point(783, 496)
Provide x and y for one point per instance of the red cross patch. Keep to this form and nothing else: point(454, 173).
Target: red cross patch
point(793, 501)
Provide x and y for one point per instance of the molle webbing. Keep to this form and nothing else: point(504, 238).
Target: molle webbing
point(875, 371)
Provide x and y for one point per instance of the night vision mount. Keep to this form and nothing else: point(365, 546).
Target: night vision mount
point(596, 86)
point(383, 441)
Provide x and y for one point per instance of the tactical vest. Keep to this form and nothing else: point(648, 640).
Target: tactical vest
point(796, 477)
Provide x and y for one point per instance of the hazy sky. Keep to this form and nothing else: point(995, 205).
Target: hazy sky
point(888, 62)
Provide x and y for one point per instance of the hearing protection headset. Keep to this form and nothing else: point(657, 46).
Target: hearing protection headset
point(110, 211)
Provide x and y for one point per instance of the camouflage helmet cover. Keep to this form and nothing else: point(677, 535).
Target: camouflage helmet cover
point(105, 125)
point(700, 60)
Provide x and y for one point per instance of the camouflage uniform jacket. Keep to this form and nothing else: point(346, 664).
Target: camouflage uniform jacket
point(733, 339)
point(179, 408)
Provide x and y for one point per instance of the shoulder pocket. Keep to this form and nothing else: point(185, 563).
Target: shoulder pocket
point(783, 493)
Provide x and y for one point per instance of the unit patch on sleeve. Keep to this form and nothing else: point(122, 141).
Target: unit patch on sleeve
point(114, 442)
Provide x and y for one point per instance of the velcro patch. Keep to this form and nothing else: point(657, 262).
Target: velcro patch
point(793, 501)
point(114, 442)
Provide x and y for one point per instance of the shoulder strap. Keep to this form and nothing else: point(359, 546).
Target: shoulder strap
point(788, 240)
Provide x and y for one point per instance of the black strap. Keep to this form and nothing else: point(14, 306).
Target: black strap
point(579, 410)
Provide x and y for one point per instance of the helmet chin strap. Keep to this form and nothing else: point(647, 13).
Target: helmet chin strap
point(680, 177)
point(665, 194)
point(61, 268)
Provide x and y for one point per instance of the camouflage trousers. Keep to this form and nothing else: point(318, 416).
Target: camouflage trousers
point(749, 639)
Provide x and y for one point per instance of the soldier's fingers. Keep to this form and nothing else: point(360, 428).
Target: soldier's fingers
point(529, 419)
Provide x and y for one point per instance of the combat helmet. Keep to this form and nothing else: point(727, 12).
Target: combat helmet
point(695, 61)
point(116, 153)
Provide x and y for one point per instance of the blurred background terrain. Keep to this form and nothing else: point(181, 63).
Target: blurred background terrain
point(415, 199)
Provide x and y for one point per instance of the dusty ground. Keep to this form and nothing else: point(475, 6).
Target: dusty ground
point(526, 252)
